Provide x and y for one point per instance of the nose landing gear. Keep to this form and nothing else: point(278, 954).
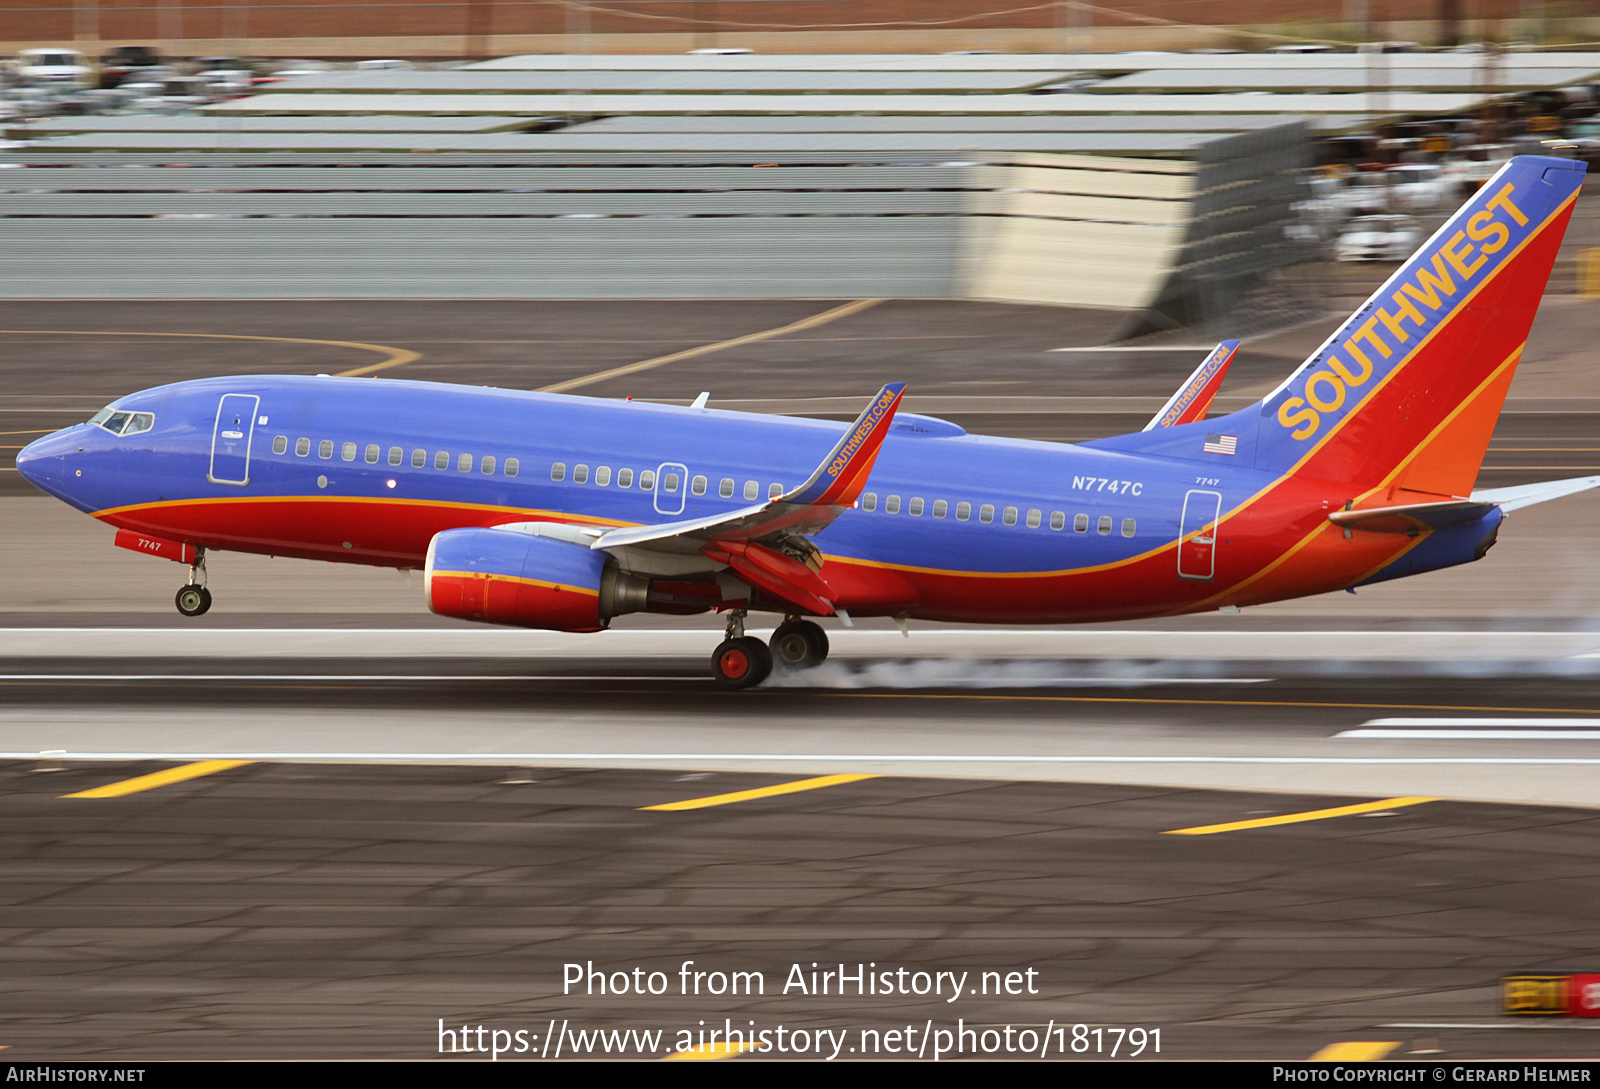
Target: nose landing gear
point(193, 598)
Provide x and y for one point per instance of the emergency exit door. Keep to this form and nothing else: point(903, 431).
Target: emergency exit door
point(230, 439)
point(1197, 535)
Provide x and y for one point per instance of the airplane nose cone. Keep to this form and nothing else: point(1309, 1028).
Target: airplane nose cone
point(42, 463)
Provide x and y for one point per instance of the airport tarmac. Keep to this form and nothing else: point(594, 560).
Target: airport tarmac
point(375, 865)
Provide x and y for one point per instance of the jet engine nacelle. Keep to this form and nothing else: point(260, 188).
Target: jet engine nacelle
point(502, 576)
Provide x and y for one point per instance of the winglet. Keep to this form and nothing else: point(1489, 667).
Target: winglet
point(1194, 397)
point(843, 473)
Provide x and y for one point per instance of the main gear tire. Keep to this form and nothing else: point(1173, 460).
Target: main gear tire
point(799, 644)
point(741, 663)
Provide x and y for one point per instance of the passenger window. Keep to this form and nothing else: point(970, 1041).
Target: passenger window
point(963, 511)
point(751, 489)
point(325, 449)
point(647, 480)
point(396, 455)
point(464, 463)
point(1129, 527)
point(280, 445)
point(869, 501)
point(372, 453)
point(419, 458)
point(624, 477)
point(302, 447)
point(558, 471)
point(725, 489)
point(1034, 518)
point(580, 474)
point(441, 460)
point(986, 513)
point(1103, 526)
point(698, 485)
point(348, 452)
point(1058, 520)
point(1010, 516)
point(511, 466)
point(669, 483)
point(602, 476)
point(940, 507)
point(774, 490)
point(915, 509)
point(891, 505)
point(1080, 523)
point(488, 465)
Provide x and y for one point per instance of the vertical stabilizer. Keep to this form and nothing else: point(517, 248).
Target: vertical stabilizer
point(1405, 394)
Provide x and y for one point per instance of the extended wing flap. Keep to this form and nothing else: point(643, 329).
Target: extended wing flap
point(1194, 397)
point(770, 570)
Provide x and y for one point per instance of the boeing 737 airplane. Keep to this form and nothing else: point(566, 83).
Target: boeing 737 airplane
point(563, 512)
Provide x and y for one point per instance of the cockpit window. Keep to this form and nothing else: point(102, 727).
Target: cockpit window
point(123, 423)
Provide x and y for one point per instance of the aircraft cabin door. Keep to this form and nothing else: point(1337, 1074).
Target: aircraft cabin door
point(672, 485)
point(230, 440)
point(1197, 554)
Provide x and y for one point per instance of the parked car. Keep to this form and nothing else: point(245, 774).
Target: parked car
point(66, 68)
point(1379, 238)
point(1419, 187)
point(126, 62)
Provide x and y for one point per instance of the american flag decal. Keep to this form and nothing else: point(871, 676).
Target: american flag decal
point(1221, 444)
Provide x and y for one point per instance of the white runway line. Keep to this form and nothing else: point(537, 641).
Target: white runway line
point(1477, 729)
point(570, 759)
point(1473, 735)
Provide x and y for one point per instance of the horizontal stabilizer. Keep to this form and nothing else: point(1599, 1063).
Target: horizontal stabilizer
point(1526, 495)
point(1194, 397)
point(1414, 517)
point(1411, 517)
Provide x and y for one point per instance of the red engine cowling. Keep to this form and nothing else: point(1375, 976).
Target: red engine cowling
point(501, 576)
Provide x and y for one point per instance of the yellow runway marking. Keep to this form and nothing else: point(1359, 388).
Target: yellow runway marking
point(1355, 1051)
point(158, 778)
point(761, 792)
point(709, 1052)
point(706, 349)
point(36, 431)
point(1296, 818)
point(395, 356)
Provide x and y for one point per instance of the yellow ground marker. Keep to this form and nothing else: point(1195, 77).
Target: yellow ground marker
point(1296, 818)
point(710, 1052)
point(1355, 1051)
point(706, 349)
point(396, 356)
point(761, 792)
point(158, 779)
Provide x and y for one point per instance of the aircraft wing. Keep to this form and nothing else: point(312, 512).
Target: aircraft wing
point(1194, 397)
point(734, 538)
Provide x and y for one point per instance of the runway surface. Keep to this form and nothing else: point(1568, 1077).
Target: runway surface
point(372, 863)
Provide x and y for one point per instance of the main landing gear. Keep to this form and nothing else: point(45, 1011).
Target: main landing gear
point(743, 661)
point(193, 598)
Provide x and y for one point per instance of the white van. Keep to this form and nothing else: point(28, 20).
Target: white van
point(53, 68)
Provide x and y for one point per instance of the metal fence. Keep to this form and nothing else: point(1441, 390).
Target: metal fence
point(1126, 234)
